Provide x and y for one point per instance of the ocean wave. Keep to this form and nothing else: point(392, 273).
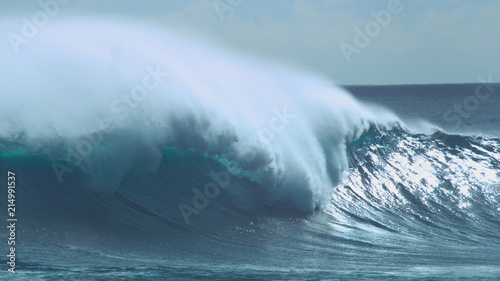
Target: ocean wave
point(151, 127)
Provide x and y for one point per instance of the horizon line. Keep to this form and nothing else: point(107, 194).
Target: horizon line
point(416, 84)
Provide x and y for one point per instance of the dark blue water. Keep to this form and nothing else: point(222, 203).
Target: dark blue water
point(465, 108)
point(411, 205)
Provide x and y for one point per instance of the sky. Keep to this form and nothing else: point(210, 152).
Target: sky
point(348, 41)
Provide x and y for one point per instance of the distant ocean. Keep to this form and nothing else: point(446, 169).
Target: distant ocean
point(471, 109)
point(229, 170)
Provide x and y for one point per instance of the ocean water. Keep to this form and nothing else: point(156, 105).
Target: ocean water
point(467, 109)
point(223, 167)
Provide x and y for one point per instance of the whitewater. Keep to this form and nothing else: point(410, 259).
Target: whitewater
point(143, 153)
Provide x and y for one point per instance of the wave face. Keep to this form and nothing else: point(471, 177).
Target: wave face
point(143, 131)
point(445, 181)
point(410, 182)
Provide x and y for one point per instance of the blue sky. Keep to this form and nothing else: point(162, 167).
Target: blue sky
point(426, 42)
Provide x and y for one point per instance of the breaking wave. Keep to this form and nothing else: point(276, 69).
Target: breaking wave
point(132, 126)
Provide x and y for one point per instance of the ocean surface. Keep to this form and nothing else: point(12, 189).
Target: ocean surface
point(236, 170)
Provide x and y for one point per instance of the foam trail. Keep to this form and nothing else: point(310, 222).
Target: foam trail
point(285, 127)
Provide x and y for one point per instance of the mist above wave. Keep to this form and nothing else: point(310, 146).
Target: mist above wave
point(288, 128)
